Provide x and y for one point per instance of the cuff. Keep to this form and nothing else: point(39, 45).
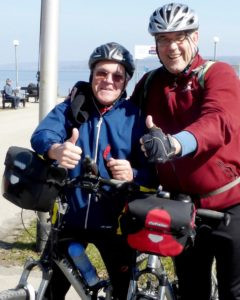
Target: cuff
point(188, 142)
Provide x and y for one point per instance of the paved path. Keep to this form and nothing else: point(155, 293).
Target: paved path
point(16, 127)
point(9, 277)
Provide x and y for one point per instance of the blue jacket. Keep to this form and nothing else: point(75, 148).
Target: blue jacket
point(118, 131)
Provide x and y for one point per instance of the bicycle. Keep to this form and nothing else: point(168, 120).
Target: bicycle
point(149, 282)
point(158, 285)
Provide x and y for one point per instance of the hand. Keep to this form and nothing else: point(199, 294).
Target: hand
point(156, 145)
point(120, 169)
point(67, 154)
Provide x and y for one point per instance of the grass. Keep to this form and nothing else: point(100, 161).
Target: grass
point(24, 246)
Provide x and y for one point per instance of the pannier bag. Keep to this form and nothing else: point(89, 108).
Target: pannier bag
point(29, 181)
point(158, 225)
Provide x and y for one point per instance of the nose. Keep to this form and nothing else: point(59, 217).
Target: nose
point(109, 78)
point(172, 44)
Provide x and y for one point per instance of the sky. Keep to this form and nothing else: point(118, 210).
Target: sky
point(85, 24)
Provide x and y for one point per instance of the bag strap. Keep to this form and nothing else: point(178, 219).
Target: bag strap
point(140, 100)
point(147, 81)
point(222, 189)
point(201, 71)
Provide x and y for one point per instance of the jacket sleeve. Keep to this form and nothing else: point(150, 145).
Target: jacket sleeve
point(218, 120)
point(54, 128)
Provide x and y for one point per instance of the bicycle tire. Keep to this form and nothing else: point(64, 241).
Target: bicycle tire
point(14, 294)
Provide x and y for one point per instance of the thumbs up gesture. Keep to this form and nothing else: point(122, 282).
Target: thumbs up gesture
point(67, 154)
point(156, 145)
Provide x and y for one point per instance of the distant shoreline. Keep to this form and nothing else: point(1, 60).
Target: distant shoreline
point(77, 65)
point(71, 72)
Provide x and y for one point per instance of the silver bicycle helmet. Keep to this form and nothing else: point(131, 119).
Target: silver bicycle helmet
point(113, 52)
point(171, 18)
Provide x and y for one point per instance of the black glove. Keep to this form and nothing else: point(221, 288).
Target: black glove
point(159, 146)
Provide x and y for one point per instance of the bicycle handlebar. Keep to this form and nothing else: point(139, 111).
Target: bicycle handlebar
point(213, 214)
point(93, 182)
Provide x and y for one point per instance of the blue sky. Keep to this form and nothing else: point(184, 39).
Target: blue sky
point(83, 25)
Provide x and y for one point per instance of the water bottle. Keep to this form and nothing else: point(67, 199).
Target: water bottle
point(82, 262)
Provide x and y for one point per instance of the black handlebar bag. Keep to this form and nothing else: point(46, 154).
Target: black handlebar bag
point(158, 226)
point(29, 181)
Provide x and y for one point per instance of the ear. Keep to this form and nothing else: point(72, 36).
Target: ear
point(195, 36)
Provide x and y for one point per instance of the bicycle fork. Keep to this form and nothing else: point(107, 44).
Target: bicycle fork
point(23, 282)
point(156, 283)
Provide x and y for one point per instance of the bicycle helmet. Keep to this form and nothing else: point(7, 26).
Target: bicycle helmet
point(113, 52)
point(29, 181)
point(171, 18)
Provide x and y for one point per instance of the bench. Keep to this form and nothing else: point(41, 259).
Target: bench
point(9, 101)
point(31, 92)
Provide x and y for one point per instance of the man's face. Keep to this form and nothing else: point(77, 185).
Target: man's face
point(176, 49)
point(108, 81)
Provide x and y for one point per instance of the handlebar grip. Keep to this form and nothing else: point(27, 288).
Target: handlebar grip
point(113, 182)
point(212, 214)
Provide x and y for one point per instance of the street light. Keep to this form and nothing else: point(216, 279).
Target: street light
point(215, 41)
point(15, 44)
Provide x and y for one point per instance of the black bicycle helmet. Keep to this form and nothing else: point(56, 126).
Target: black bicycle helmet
point(113, 52)
point(29, 181)
point(173, 17)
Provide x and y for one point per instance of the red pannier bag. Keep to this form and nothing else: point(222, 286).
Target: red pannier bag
point(159, 226)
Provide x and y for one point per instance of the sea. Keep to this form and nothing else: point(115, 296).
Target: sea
point(71, 72)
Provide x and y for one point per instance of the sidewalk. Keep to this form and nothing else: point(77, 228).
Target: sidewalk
point(16, 129)
point(9, 277)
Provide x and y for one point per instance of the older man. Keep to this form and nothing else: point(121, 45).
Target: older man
point(196, 146)
point(10, 95)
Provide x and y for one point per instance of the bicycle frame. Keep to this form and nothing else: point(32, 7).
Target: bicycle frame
point(52, 255)
point(69, 271)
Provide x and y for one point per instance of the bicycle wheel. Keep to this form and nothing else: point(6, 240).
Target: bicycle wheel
point(14, 294)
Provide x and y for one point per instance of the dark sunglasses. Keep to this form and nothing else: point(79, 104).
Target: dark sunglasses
point(102, 75)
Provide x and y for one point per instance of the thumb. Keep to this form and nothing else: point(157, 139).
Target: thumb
point(149, 122)
point(75, 135)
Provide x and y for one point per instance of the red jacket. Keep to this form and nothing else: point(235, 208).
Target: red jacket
point(212, 115)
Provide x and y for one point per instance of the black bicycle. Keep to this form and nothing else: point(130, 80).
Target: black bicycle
point(149, 279)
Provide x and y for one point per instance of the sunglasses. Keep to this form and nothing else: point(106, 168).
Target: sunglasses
point(102, 75)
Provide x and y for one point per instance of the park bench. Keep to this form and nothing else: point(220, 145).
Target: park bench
point(31, 91)
point(9, 101)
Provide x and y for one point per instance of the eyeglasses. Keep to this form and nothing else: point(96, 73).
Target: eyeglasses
point(163, 41)
point(102, 75)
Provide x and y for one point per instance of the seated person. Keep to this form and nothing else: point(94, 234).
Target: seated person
point(10, 94)
point(32, 89)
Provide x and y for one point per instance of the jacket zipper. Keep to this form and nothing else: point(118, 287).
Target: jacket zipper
point(99, 124)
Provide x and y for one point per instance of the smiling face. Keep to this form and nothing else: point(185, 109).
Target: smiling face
point(176, 49)
point(108, 81)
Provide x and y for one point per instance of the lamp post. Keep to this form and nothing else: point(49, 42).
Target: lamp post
point(215, 41)
point(15, 44)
